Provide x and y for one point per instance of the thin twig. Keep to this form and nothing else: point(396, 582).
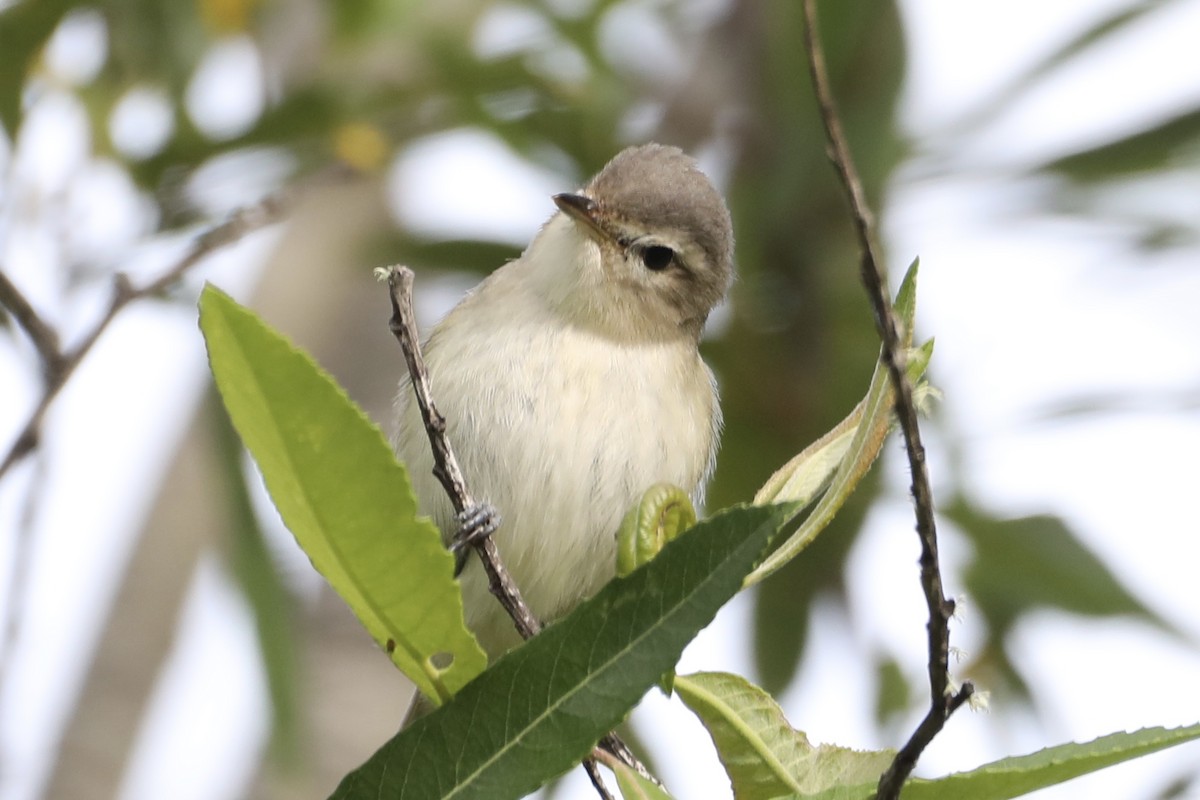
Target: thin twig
point(244, 221)
point(593, 772)
point(403, 325)
point(874, 277)
point(44, 337)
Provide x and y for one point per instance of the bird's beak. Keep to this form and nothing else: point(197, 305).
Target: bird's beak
point(582, 209)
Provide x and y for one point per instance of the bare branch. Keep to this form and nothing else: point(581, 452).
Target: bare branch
point(243, 222)
point(404, 327)
point(593, 772)
point(874, 277)
point(44, 337)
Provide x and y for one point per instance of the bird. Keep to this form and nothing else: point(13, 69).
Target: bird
point(571, 380)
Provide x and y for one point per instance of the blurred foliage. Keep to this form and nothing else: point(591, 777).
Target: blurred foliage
point(351, 82)
point(259, 579)
point(1029, 564)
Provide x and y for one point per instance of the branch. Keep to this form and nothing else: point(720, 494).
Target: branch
point(874, 277)
point(403, 325)
point(61, 366)
point(44, 338)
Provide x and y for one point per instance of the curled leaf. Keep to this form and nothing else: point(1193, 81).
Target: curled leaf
point(664, 512)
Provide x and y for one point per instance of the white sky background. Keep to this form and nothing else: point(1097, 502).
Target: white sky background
point(1028, 312)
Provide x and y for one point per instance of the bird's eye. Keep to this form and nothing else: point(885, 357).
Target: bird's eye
point(657, 257)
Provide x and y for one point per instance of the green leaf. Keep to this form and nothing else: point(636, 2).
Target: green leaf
point(809, 473)
point(632, 785)
point(663, 512)
point(542, 707)
point(858, 438)
point(905, 305)
point(1013, 777)
point(340, 491)
point(764, 756)
point(1020, 775)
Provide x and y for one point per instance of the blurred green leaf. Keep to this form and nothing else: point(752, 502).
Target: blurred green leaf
point(1037, 562)
point(1152, 148)
point(25, 28)
point(543, 706)
point(258, 577)
point(892, 692)
point(340, 491)
point(783, 605)
point(155, 41)
point(452, 254)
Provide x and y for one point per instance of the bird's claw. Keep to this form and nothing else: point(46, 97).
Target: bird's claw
point(474, 525)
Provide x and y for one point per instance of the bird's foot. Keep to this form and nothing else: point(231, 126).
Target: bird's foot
point(474, 525)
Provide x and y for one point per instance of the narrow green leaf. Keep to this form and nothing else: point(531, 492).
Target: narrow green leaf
point(867, 427)
point(542, 707)
point(810, 472)
point(764, 756)
point(340, 491)
point(1013, 777)
point(632, 785)
point(905, 304)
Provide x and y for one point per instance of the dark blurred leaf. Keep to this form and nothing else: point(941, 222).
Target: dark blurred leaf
point(258, 577)
point(1152, 148)
point(892, 694)
point(802, 315)
point(303, 122)
point(783, 603)
point(24, 29)
point(1179, 789)
point(1037, 562)
point(153, 41)
point(456, 254)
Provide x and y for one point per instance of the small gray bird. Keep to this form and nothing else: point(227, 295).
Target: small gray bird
point(571, 381)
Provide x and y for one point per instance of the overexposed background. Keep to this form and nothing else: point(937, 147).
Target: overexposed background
point(1068, 351)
